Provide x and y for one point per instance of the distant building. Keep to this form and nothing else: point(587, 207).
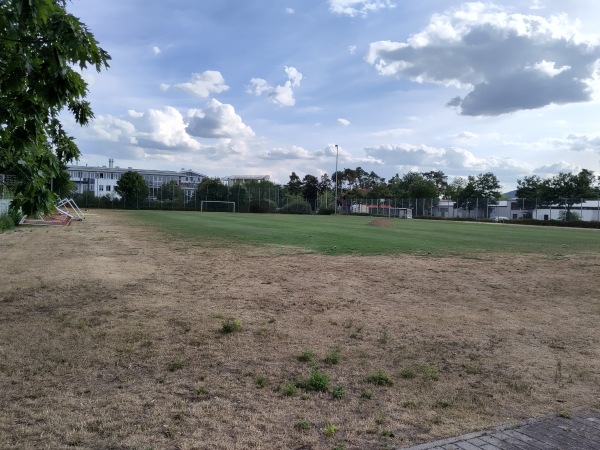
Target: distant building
point(102, 180)
point(588, 210)
point(233, 179)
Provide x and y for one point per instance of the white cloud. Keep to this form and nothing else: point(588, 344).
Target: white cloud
point(281, 95)
point(395, 132)
point(293, 152)
point(217, 120)
point(354, 8)
point(111, 128)
point(474, 47)
point(352, 49)
point(548, 68)
point(450, 159)
point(289, 11)
point(464, 135)
point(579, 143)
point(155, 50)
point(344, 122)
point(166, 131)
point(536, 5)
point(201, 84)
point(164, 128)
point(553, 169)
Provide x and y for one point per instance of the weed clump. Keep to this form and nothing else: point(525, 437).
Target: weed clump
point(231, 326)
point(317, 381)
point(306, 356)
point(380, 378)
point(333, 357)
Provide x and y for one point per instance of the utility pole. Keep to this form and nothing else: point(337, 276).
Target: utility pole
point(336, 177)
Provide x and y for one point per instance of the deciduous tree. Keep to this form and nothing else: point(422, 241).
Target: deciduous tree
point(132, 187)
point(41, 47)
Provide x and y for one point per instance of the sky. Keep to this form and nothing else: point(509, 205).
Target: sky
point(267, 87)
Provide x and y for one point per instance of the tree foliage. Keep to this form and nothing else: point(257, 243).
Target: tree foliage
point(170, 191)
point(40, 47)
point(562, 190)
point(212, 189)
point(132, 187)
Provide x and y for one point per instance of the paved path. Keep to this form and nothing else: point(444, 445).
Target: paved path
point(582, 432)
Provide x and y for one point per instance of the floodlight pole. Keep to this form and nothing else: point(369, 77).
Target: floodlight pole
point(336, 177)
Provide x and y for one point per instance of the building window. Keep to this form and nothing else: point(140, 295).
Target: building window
point(100, 187)
point(108, 188)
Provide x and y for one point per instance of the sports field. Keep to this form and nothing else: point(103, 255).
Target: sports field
point(362, 235)
point(168, 330)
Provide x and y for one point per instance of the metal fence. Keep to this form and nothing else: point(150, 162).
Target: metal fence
point(271, 200)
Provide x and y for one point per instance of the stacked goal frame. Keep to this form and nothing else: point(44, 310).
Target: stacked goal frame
point(216, 201)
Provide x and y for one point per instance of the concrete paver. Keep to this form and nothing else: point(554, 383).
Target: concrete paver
point(582, 432)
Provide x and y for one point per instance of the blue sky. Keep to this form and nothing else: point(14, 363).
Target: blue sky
point(269, 87)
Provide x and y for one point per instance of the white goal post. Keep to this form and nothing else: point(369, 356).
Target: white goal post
point(215, 201)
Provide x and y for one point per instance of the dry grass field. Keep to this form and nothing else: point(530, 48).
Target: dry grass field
point(113, 336)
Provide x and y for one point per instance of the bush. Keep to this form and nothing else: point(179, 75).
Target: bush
point(297, 207)
point(318, 381)
point(262, 206)
point(326, 211)
point(231, 326)
point(10, 219)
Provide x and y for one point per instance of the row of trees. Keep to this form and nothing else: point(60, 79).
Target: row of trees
point(562, 190)
point(358, 184)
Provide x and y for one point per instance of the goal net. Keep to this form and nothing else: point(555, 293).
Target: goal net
point(217, 206)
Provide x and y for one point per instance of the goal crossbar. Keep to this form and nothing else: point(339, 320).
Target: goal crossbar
point(215, 201)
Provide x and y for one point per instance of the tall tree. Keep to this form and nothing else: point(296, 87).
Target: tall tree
point(439, 178)
point(324, 183)
point(40, 47)
point(566, 189)
point(532, 190)
point(170, 191)
point(456, 188)
point(480, 191)
point(310, 189)
point(294, 185)
point(132, 187)
point(423, 188)
point(212, 189)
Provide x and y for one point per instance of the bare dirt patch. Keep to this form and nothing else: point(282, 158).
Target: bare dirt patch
point(111, 336)
point(381, 222)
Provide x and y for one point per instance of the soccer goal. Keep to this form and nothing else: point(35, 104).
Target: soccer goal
point(223, 207)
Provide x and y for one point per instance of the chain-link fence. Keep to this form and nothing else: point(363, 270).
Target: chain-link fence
point(276, 199)
point(6, 195)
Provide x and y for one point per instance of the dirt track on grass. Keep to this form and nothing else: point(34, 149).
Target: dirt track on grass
point(110, 337)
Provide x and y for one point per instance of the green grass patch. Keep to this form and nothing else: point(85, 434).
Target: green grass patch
point(354, 235)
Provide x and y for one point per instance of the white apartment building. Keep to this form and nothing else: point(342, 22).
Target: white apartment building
point(102, 180)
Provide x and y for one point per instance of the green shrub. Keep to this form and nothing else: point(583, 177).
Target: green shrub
point(318, 381)
point(333, 357)
point(302, 425)
point(10, 219)
point(230, 326)
point(408, 373)
point(338, 392)
point(380, 378)
point(306, 356)
point(296, 207)
point(262, 206)
point(326, 211)
point(430, 373)
point(290, 390)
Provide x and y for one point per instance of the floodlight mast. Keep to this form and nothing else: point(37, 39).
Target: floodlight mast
point(336, 178)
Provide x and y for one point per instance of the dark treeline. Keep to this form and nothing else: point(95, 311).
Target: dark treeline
point(419, 191)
